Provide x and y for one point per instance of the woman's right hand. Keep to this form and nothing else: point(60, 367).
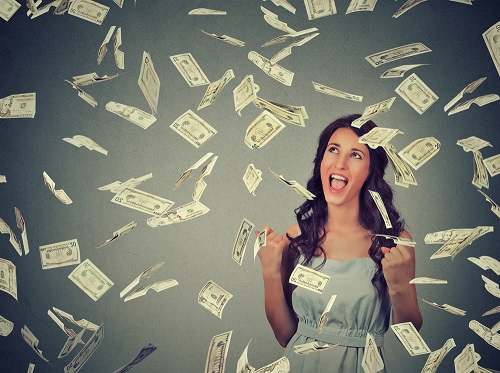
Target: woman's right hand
point(270, 255)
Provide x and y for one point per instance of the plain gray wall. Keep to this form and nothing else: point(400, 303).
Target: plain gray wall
point(37, 55)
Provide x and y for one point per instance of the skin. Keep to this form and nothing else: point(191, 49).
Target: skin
point(345, 239)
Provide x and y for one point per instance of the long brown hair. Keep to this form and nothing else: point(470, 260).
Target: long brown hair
point(312, 215)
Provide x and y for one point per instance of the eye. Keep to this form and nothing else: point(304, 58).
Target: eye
point(333, 149)
point(356, 155)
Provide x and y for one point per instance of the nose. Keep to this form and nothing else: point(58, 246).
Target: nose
point(340, 162)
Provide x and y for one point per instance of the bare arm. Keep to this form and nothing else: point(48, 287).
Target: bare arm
point(399, 268)
point(277, 266)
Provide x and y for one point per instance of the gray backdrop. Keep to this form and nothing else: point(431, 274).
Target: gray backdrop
point(37, 55)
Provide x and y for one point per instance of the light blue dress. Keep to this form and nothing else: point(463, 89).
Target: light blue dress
point(356, 311)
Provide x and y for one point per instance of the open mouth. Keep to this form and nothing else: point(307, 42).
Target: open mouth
point(337, 182)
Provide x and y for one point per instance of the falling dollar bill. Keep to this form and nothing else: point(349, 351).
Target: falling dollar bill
point(217, 353)
point(492, 39)
point(262, 130)
point(90, 279)
point(86, 352)
point(59, 193)
point(132, 114)
point(144, 353)
point(288, 49)
point(489, 336)
point(416, 93)
point(399, 71)
point(243, 366)
point(285, 113)
point(324, 316)
point(118, 54)
point(458, 240)
point(473, 143)
point(80, 140)
point(6, 326)
point(322, 8)
point(361, 6)
point(189, 69)
point(372, 111)
point(89, 10)
point(142, 201)
point(309, 279)
point(83, 95)
point(420, 151)
point(480, 175)
point(214, 89)
point(252, 178)
point(406, 7)
point(446, 307)
point(91, 78)
point(372, 361)
point(402, 172)
point(147, 273)
point(307, 348)
point(466, 361)
point(32, 341)
point(149, 82)
point(427, 280)
point(240, 243)
point(180, 214)
point(295, 186)
point(193, 128)
point(206, 12)
point(157, 286)
point(83, 323)
point(60, 254)
point(187, 174)
point(282, 365)
point(214, 298)
point(381, 208)
point(103, 49)
point(22, 105)
point(120, 232)
point(260, 241)
point(436, 357)
point(8, 8)
point(495, 208)
point(227, 39)
point(410, 338)
point(244, 93)
point(70, 344)
point(471, 87)
point(491, 286)
point(14, 241)
point(272, 20)
point(285, 4)
point(492, 311)
point(118, 186)
point(485, 333)
point(490, 263)
point(378, 136)
point(275, 71)
point(492, 164)
point(479, 101)
point(335, 92)
point(397, 53)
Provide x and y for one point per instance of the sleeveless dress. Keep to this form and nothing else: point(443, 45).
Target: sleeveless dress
point(356, 311)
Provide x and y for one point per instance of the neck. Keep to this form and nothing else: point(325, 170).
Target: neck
point(343, 219)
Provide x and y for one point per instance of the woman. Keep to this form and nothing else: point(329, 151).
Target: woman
point(334, 235)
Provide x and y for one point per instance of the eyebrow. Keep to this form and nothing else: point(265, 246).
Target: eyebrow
point(338, 145)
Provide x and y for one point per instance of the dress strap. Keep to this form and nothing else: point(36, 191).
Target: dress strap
point(339, 337)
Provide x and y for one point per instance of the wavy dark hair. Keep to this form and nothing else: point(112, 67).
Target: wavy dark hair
point(312, 215)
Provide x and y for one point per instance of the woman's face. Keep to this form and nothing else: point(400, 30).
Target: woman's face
point(344, 168)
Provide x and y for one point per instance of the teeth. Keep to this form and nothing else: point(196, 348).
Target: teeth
point(338, 177)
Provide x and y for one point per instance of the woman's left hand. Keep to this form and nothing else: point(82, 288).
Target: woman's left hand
point(398, 265)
